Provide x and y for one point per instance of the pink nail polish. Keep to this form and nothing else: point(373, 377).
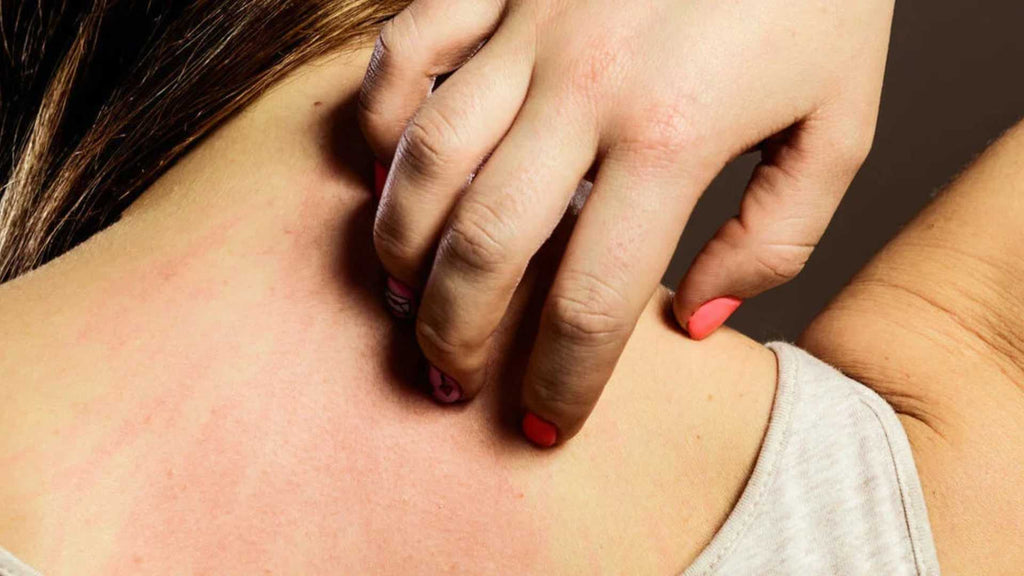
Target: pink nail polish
point(400, 299)
point(541, 432)
point(710, 316)
point(446, 389)
point(380, 178)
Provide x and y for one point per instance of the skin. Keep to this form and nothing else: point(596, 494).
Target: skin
point(212, 385)
point(652, 99)
point(933, 324)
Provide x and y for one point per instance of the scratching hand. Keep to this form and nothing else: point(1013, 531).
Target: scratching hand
point(655, 97)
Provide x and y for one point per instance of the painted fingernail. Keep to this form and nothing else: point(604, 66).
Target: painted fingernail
point(710, 316)
point(400, 299)
point(539, 431)
point(380, 178)
point(446, 389)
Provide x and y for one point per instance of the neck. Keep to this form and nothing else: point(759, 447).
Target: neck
point(231, 325)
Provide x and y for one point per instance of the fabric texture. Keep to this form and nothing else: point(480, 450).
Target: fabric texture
point(834, 490)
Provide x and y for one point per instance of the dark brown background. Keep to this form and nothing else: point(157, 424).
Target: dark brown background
point(954, 82)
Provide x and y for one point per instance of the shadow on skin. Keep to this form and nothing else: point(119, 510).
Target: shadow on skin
point(349, 157)
point(359, 269)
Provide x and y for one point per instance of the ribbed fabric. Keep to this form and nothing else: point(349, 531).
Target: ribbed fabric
point(834, 490)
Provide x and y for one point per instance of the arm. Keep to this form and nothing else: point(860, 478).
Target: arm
point(935, 324)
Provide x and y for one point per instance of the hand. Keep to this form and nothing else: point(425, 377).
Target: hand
point(656, 96)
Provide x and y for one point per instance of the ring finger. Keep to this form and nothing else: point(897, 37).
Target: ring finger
point(443, 144)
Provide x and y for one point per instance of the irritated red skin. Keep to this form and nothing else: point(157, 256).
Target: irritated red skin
point(254, 423)
point(228, 399)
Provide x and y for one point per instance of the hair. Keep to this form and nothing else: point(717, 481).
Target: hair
point(99, 98)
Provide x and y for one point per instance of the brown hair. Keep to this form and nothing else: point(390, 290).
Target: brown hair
point(98, 98)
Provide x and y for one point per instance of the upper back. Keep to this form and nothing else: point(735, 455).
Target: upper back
point(213, 386)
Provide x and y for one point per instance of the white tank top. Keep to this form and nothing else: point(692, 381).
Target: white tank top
point(834, 490)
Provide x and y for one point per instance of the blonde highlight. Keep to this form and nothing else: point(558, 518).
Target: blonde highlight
point(92, 118)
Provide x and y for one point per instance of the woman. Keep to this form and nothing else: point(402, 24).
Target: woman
point(211, 384)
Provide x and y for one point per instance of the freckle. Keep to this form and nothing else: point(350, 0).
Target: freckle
point(698, 437)
point(317, 104)
point(711, 397)
point(520, 495)
point(137, 558)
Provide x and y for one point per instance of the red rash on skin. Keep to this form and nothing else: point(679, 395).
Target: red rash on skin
point(251, 434)
point(231, 402)
point(138, 286)
point(115, 329)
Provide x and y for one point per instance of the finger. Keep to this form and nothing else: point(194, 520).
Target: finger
point(788, 204)
point(619, 250)
point(506, 215)
point(442, 145)
point(428, 38)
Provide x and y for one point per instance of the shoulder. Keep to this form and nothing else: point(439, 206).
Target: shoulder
point(926, 344)
point(934, 325)
point(834, 489)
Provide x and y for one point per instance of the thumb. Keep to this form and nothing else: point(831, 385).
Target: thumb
point(788, 204)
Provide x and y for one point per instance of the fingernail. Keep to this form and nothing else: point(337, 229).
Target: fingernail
point(446, 389)
point(710, 316)
point(380, 178)
point(539, 431)
point(400, 299)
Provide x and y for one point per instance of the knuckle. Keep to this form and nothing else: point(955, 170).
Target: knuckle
point(392, 244)
point(384, 52)
point(663, 134)
point(599, 66)
point(852, 143)
point(783, 262)
point(429, 143)
point(477, 238)
point(587, 76)
point(370, 119)
point(560, 399)
point(436, 338)
point(590, 314)
point(397, 37)
point(770, 262)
